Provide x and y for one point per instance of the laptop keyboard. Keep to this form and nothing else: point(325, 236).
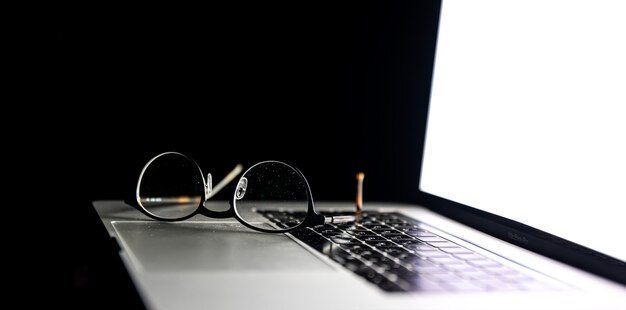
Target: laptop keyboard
point(397, 254)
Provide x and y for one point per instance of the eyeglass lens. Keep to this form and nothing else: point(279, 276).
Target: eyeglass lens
point(171, 186)
point(270, 186)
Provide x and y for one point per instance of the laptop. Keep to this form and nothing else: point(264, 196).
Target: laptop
point(521, 189)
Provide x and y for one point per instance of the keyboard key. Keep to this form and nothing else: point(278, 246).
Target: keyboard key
point(395, 237)
point(422, 233)
point(343, 239)
point(469, 256)
point(457, 250)
point(393, 251)
point(377, 260)
point(373, 238)
point(433, 254)
point(447, 260)
point(422, 247)
point(381, 244)
point(389, 286)
point(444, 277)
point(357, 233)
point(464, 286)
point(408, 242)
point(499, 270)
point(429, 270)
point(393, 221)
point(410, 230)
point(430, 239)
point(484, 263)
point(443, 244)
point(327, 231)
point(363, 251)
point(460, 268)
point(375, 226)
point(474, 274)
point(384, 231)
point(369, 222)
point(355, 246)
point(424, 285)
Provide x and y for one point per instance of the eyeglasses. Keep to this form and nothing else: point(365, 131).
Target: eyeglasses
point(172, 187)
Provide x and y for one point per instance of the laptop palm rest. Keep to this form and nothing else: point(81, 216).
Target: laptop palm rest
point(211, 246)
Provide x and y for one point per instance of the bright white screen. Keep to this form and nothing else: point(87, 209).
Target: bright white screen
point(528, 115)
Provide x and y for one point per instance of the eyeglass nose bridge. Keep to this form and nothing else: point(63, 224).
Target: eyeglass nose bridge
point(210, 191)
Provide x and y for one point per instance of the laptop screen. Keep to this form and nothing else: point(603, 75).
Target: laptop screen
point(527, 115)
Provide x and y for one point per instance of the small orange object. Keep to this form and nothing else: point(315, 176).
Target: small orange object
point(359, 192)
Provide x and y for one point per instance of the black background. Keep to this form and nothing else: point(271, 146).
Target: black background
point(333, 88)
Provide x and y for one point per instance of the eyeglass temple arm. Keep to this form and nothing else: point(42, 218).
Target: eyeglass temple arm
point(212, 190)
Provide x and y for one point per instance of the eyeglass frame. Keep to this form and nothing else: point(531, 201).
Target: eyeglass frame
point(311, 219)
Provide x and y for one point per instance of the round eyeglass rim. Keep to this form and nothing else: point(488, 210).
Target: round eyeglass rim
point(310, 217)
point(167, 219)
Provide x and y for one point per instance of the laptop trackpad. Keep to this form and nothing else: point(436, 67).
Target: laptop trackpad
point(211, 246)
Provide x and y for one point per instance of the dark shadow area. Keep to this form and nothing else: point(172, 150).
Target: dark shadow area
point(332, 88)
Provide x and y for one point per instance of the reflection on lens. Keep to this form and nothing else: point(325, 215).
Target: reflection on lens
point(271, 195)
point(171, 186)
